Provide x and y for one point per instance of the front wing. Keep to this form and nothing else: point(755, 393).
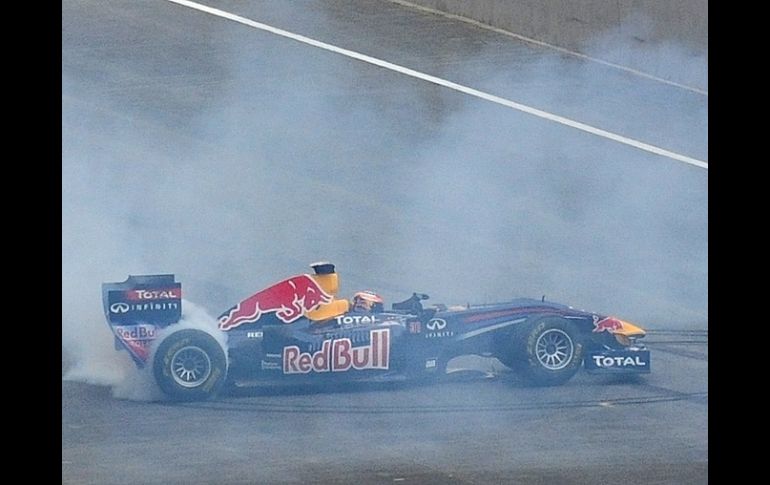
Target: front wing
point(612, 361)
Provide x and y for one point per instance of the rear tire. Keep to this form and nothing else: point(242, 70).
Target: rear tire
point(190, 365)
point(545, 352)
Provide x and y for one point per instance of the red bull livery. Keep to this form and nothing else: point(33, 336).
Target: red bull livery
point(608, 324)
point(296, 332)
point(339, 355)
point(290, 299)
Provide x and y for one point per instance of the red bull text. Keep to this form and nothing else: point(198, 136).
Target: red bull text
point(137, 338)
point(289, 299)
point(339, 355)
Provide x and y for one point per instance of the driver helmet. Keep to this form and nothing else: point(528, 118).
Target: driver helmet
point(366, 300)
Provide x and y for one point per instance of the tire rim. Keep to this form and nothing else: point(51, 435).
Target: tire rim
point(190, 366)
point(554, 349)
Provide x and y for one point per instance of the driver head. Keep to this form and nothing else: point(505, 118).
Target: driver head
point(365, 301)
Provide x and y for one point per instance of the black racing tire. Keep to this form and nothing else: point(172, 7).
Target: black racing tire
point(190, 365)
point(545, 352)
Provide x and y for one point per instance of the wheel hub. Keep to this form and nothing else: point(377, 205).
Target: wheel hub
point(190, 366)
point(554, 349)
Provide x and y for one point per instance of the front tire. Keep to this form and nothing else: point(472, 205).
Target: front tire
point(546, 352)
point(190, 365)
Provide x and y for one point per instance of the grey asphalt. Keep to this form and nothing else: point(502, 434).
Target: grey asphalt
point(467, 429)
point(233, 157)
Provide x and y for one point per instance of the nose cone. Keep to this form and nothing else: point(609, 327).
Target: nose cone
point(630, 330)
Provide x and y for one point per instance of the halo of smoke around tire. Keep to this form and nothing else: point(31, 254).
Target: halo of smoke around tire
point(117, 370)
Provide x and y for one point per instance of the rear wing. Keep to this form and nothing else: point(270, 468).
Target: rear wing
point(137, 308)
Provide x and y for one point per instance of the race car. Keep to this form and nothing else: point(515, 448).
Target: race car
point(297, 332)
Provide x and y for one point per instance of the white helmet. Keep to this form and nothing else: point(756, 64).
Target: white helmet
point(366, 301)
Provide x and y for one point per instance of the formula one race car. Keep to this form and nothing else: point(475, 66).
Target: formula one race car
point(296, 332)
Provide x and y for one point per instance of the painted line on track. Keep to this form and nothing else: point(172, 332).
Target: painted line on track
point(541, 43)
point(443, 82)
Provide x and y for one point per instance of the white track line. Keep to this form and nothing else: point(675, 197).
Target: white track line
point(550, 46)
point(443, 82)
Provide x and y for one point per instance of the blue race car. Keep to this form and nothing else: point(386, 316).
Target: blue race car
point(297, 332)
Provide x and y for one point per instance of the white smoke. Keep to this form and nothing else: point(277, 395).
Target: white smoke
point(140, 385)
point(404, 188)
point(88, 348)
point(114, 368)
point(639, 43)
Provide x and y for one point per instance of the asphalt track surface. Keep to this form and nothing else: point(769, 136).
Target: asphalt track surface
point(476, 426)
point(154, 64)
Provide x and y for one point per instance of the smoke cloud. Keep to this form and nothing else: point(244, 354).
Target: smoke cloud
point(97, 365)
point(249, 168)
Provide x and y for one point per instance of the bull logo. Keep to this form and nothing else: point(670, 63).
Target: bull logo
point(608, 324)
point(289, 299)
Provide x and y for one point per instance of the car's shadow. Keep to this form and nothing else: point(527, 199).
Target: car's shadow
point(455, 377)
